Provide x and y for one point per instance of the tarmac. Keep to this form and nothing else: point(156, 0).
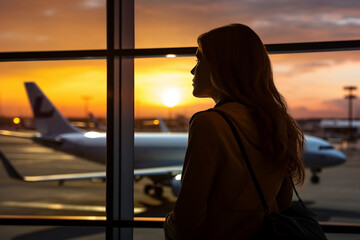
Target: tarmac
point(335, 199)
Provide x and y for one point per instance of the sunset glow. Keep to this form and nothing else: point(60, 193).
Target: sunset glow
point(312, 83)
point(171, 97)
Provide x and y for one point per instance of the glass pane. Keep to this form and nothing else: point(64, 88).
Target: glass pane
point(163, 86)
point(50, 232)
point(148, 234)
point(51, 146)
point(52, 25)
point(312, 84)
point(179, 23)
point(163, 93)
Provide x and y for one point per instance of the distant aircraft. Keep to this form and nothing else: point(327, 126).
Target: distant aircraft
point(98, 125)
point(158, 156)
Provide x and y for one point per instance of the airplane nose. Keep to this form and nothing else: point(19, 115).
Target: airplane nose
point(338, 157)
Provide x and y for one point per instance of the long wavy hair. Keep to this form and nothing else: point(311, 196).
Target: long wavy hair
point(240, 69)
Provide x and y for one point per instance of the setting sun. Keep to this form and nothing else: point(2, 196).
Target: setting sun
point(171, 97)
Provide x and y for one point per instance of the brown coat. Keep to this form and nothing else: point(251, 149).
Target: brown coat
point(218, 199)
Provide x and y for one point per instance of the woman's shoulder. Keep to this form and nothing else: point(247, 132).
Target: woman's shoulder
point(206, 117)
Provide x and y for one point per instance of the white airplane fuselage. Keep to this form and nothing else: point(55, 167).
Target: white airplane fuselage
point(168, 149)
point(150, 149)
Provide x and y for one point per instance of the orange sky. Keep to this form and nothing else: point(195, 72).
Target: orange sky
point(311, 83)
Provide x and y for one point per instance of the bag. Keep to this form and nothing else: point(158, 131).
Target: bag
point(294, 223)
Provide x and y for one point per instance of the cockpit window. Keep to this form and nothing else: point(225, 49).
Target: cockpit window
point(326, 147)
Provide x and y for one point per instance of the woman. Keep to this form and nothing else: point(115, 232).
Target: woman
point(218, 199)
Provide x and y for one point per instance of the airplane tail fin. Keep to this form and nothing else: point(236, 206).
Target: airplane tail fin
point(163, 127)
point(48, 120)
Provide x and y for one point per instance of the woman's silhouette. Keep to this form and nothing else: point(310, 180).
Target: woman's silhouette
point(218, 199)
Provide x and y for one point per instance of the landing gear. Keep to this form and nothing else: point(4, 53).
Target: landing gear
point(137, 178)
point(315, 179)
point(159, 191)
point(152, 190)
point(148, 189)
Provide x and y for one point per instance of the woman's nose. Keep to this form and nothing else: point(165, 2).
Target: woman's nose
point(193, 71)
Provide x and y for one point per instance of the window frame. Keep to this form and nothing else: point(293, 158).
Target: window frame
point(120, 54)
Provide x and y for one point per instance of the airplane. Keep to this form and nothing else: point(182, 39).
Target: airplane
point(158, 156)
point(98, 125)
point(158, 121)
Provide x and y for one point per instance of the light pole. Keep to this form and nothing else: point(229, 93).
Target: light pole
point(87, 113)
point(86, 100)
point(350, 97)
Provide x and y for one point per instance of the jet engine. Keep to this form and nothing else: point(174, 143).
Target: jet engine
point(176, 184)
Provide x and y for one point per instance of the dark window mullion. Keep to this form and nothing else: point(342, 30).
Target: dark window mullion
point(53, 55)
point(281, 48)
point(120, 202)
point(110, 120)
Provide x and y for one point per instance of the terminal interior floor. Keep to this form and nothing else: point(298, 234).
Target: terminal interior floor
point(335, 198)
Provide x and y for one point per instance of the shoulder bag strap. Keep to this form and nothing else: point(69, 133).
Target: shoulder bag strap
point(251, 171)
point(247, 161)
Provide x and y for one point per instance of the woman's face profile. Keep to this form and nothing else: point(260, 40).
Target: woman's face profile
point(201, 81)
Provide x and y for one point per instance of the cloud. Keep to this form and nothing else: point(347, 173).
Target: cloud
point(292, 65)
point(161, 23)
point(276, 21)
point(341, 21)
point(52, 25)
point(49, 12)
point(303, 112)
point(332, 108)
point(94, 3)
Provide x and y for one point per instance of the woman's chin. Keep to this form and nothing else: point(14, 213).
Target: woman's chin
point(199, 94)
point(196, 93)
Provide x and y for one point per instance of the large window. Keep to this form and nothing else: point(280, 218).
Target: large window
point(128, 63)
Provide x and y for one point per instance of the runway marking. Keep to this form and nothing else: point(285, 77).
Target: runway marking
point(54, 206)
point(58, 206)
point(27, 156)
point(37, 150)
point(138, 210)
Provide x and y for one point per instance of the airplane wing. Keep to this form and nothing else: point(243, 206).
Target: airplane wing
point(13, 173)
point(16, 134)
point(31, 136)
point(172, 171)
point(64, 177)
